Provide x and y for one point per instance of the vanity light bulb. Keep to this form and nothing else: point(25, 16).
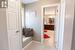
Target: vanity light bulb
point(5, 4)
point(2, 4)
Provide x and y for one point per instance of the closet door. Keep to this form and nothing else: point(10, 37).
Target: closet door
point(14, 34)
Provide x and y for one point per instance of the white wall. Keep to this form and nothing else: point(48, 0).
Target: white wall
point(32, 21)
point(73, 38)
point(68, 25)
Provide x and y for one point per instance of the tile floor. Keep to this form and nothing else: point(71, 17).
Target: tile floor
point(37, 46)
point(50, 41)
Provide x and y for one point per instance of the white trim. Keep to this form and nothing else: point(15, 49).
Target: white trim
point(42, 27)
point(42, 24)
point(52, 5)
point(36, 42)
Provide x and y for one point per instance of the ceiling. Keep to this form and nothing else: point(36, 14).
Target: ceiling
point(28, 1)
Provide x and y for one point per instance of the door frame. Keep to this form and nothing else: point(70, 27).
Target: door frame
point(42, 19)
point(62, 10)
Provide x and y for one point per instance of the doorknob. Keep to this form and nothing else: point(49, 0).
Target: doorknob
point(17, 31)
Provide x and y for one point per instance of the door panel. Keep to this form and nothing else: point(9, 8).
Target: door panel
point(12, 20)
point(13, 5)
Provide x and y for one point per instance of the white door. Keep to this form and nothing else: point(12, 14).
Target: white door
point(14, 31)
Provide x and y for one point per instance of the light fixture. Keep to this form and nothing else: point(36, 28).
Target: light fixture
point(4, 4)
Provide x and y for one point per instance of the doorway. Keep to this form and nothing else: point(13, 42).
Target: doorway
point(43, 20)
point(50, 16)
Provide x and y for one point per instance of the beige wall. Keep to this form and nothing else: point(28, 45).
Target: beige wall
point(3, 30)
point(37, 8)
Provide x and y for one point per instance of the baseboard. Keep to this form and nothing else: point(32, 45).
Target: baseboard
point(36, 41)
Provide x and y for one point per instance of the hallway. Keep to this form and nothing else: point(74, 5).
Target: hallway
point(37, 46)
